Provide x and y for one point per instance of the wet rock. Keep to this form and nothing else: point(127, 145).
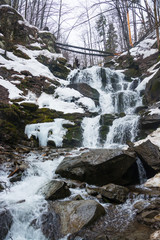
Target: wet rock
point(86, 91)
point(149, 154)
point(1, 187)
point(149, 214)
point(153, 89)
point(106, 121)
point(72, 216)
point(150, 121)
point(100, 167)
point(5, 223)
point(16, 178)
point(55, 190)
point(114, 193)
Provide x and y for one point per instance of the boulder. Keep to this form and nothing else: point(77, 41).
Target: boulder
point(100, 167)
point(149, 154)
point(150, 121)
point(14, 28)
point(153, 89)
point(5, 223)
point(114, 193)
point(86, 91)
point(68, 217)
point(55, 190)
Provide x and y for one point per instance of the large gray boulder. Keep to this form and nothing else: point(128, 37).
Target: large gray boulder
point(55, 190)
point(100, 167)
point(149, 154)
point(68, 217)
point(5, 222)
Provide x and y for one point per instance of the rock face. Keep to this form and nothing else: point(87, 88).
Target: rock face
point(55, 190)
point(87, 91)
point(153, 89)
point(100, 167)
point(5, 223)
point(70, 216)
point(150, 121)
point(149, 154)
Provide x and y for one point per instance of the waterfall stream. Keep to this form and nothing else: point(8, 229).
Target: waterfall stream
point(117, 96)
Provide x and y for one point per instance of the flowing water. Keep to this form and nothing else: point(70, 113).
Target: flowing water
point(117, 97)
point(24, 199)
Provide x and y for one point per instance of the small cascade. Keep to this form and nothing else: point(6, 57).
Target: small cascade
point(90, 128)
point(117, 96)
point(141, 171)
point(122, 130)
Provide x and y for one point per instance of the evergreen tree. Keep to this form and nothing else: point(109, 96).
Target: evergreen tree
point(101, 29)
point(111, 43)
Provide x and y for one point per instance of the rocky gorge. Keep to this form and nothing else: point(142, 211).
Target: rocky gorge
point(76, 146)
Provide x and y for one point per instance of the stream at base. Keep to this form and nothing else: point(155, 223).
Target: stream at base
point(26, 203)
point(24, 199)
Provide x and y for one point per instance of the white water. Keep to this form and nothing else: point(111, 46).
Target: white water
point(25, 201)
point(116, 96)
point(141, 171)
point(90, 128)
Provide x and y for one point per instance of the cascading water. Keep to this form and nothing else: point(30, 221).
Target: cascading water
point(117, 97)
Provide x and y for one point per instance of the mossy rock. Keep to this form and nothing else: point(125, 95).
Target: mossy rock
point(10, 113)
point(43, 59)
point(61, 60)
point(50, 89)
point(132, 73)
point(20, 54)
point(8, 132)
point(106, 121)
point(29, 106)
point(49, 39)
point(58, 69)
point(73, 137)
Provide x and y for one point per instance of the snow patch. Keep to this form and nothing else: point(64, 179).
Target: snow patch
point(14, 92)
point(154, 111)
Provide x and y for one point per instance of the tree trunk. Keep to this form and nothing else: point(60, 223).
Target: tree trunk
point(156, 24)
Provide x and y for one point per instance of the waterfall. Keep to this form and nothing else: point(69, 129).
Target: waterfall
point(123, 129)
point(90, 128)
point(141, 171)
point(117, 97)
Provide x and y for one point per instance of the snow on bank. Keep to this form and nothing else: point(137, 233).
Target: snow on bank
point(31, 65)
point(154, 111)
point(143, 49)
point(153, 182)
point(53, 131)
point(153, 72)
point(14, 92)
point(154, 137)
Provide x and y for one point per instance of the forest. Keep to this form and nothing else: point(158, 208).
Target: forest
point(108, 25)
